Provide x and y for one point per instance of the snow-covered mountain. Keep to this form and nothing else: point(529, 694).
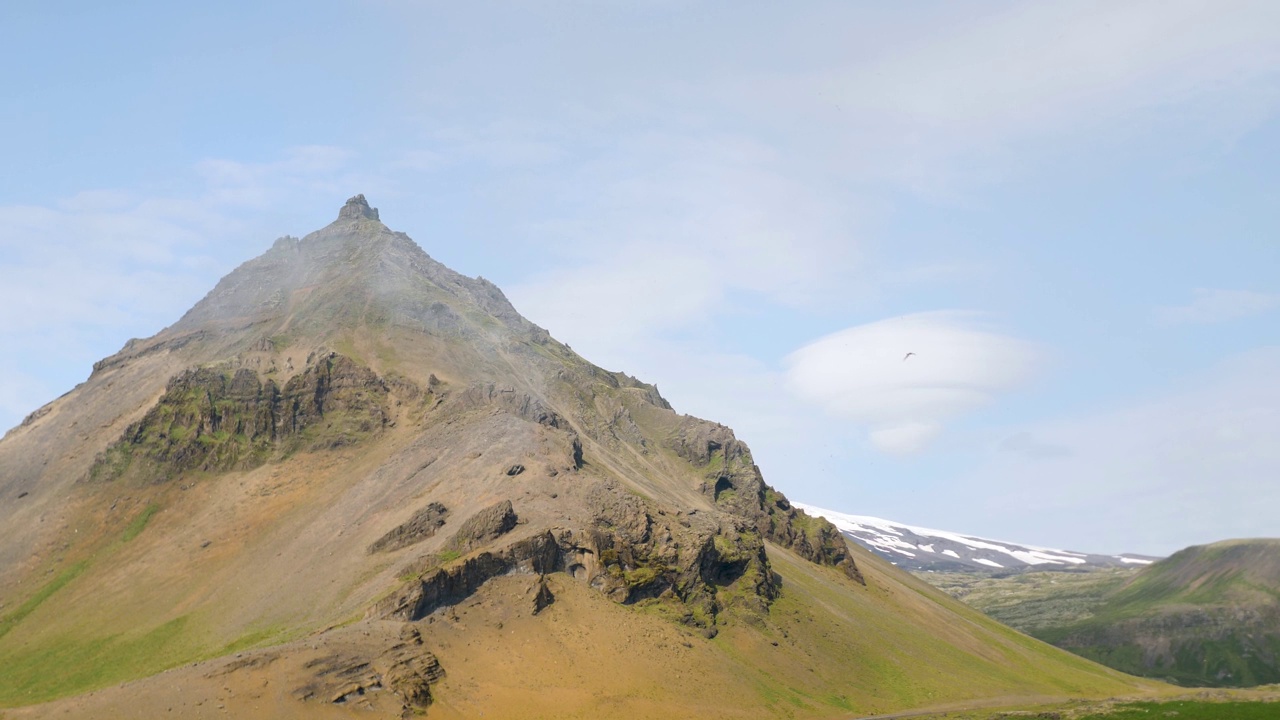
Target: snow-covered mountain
point(917, 548)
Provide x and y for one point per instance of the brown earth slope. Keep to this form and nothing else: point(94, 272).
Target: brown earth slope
point(352, 481)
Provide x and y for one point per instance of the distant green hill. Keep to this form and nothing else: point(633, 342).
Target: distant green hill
point(1207, 616)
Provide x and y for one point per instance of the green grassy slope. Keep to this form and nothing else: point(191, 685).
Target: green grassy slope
point(900, 643)
point(1033, 600)
point(1208, 615)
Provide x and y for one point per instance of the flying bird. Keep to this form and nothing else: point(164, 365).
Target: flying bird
point(904, 357)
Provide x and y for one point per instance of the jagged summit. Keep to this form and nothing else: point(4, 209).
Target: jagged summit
point(349, 275)
point(357, 207)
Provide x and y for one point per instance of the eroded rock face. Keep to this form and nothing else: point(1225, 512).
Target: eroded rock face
point(335, 388)
point(696, 565)
point(507, 399)
point(356, 208)
point(542, 597)
point(211, 418)
point(484, 527)
point(421, 526)
point(405, 668)
point(440, 587)
point(734, 483)
point(809, 537)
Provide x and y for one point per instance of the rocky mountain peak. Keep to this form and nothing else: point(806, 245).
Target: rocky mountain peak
point(357, 207)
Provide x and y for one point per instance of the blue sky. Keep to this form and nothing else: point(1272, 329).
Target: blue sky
point(1070, 212)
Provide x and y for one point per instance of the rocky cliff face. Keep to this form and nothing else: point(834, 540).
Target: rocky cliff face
point(733, 482)
point(215, 419)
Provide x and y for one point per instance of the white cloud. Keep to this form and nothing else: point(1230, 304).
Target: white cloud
point(83, 265)
point(863, 374)
point(1047, 64)
point(1210, 306)
point(905, 439)
point(304, 169)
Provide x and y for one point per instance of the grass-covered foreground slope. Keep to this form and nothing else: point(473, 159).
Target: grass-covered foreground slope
point(827, 648)
point(1208, 615)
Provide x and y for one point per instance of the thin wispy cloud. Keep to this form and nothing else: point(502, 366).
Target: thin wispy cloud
point(86, 272)
point(1028, 445)
point(663, 247)
point(1209, 306)
point(953, 100)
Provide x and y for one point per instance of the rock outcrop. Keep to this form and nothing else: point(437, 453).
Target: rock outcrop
point(356, 208)
point(421, 526)
point(406, 669)
point(484, 527)
point(694, 566)
point(537, 555)
point(733, 482)
point(216, 419)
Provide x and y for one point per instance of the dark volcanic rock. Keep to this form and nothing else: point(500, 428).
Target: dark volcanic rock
point(213, 419)
point(406, 669)
point(335, 385)
point(537, 555)
point(421, 526)
point(734, 483)
point(356, 208)
point(507, 399)
point(697, 565)
point(484, 527)
point(542, 598)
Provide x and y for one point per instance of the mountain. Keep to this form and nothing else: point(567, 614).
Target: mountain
point(1207, 615)
point(922, 549)
point(351, 482)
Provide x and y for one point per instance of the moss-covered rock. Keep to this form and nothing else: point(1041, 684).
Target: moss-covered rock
point(218, 419)
point(733, 481)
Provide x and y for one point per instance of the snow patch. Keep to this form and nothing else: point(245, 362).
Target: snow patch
point(989, 563)
point(887, 536)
